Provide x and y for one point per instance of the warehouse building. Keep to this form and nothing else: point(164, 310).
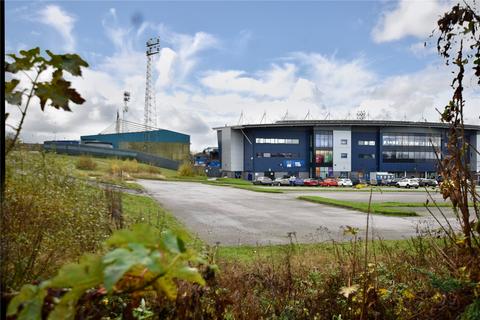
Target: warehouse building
point(337, 148)
point(162, 143)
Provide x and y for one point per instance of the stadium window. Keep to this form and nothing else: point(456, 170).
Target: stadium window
point(343, 141)
point(344, 155)
point(277, 141)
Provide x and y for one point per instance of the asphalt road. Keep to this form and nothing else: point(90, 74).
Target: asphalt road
point(236, 217)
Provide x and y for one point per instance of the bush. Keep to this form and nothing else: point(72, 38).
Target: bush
point(186, 170)
point(130, 166)
point(48, 218)
point(86, 163)
point(115, 168)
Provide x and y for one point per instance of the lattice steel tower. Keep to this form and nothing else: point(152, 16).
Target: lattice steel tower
point(150, 112)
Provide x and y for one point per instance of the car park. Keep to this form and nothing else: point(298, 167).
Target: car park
point(343, 182)
point(428, 183)
point(310, 182)
point(329, 182)
point(407, 183)
point(265, 181)
point(281, 181)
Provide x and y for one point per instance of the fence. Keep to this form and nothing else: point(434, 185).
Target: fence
point(80, 149)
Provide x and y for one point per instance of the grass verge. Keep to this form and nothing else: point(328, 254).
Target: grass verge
point(376, 208)
point(252, 253)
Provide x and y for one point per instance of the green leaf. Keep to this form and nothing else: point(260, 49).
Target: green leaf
point(68, 62)
point(59, 92)
point(31, 298)
point(86, 274)
point(167, 286)
point(66, 308)
point(172, 242)
point(82, 276)
point(121, 260)
point(13, 97)
point(140, 233)
point(189, 274)
point(25, 62)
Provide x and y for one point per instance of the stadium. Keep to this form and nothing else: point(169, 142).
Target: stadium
point(337, 148)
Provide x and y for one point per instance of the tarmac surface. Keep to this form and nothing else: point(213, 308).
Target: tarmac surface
point(230, 216)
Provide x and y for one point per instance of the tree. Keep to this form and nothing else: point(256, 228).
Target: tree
point(459, 45)
point(58, 91)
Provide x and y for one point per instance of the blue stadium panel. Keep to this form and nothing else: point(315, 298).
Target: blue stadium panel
point(147, 136)
point(365, 156)
point(254, 160)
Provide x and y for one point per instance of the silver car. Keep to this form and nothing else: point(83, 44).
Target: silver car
point(266, 181)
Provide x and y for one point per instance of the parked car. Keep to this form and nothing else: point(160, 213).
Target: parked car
point(310, 182)
point(298, 182)
point(407, 183)
point(428, 183)
point(393, 182)
point(356, 181)
point(329, 182)
point(265, 181)
point(281, 181)
point(343, 182)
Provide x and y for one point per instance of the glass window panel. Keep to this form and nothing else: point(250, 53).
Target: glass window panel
point(343, 155)
point(372, 143)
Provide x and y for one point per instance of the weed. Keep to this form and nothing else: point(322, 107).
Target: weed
point(86, 163)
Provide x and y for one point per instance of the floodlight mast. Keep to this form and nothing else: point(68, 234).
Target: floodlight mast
point(150, 116)
point(126, 99)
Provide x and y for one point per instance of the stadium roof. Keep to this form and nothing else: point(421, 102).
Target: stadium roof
point(352, 123)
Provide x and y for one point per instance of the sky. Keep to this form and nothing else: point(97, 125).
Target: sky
point(223, 59)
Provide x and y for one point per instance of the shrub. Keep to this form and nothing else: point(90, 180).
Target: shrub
point(86, 163)
point(115, 168)
point(130, 166)
point(186, 170)
point(48, 218)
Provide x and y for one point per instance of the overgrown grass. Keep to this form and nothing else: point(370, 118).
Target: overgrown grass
point(375, 208)
point(48, 218)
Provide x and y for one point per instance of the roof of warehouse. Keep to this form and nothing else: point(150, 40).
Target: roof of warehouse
point(354, 123)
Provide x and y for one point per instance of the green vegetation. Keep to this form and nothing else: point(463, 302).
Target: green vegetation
point(85, 163)
point(143, 209)
point(376, 208)
point(45, 227)
point(138, 261)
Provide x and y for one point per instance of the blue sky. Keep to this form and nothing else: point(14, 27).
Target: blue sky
point(219, 59)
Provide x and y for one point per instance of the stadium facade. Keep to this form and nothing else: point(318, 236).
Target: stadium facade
point(337, 148)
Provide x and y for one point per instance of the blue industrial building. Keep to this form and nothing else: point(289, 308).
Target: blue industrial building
point(337, 148)
point(163, 143)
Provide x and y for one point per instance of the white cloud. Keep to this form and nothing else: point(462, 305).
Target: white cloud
point(277, 82)
point(61, 21)
point(409, 18)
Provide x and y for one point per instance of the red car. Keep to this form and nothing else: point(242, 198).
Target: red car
point(310, 182)
point(329, 182)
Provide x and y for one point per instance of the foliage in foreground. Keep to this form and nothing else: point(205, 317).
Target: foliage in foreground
point(48, 218)
point(138, 262)
point(57, 91)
